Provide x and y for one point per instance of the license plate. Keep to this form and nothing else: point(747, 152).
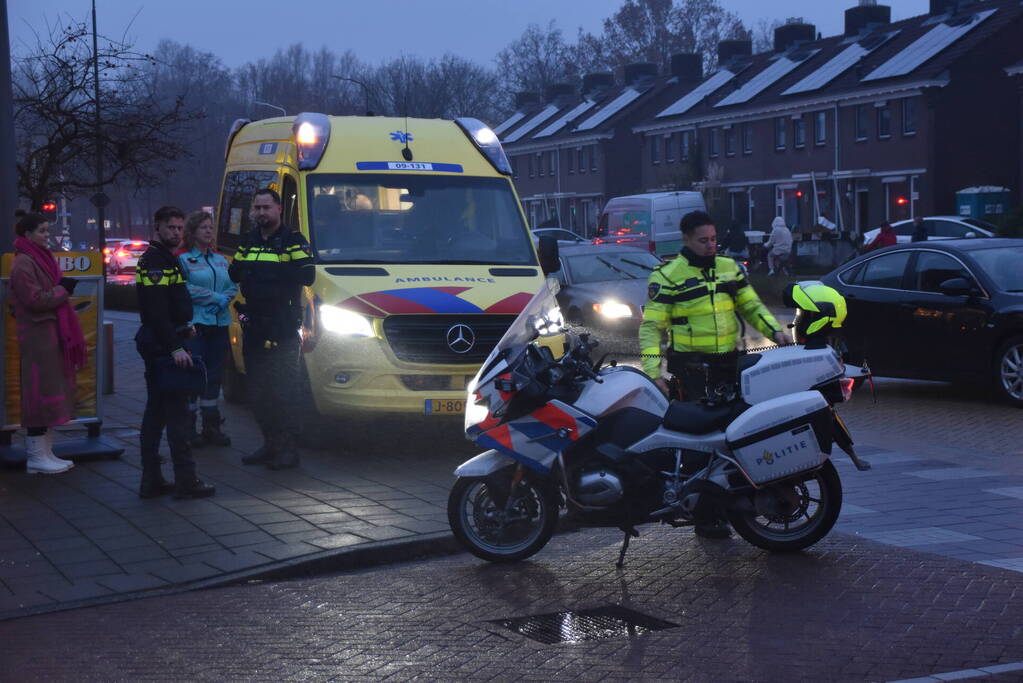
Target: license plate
point(444, 407)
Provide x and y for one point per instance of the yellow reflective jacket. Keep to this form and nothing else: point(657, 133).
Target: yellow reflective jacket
point(697, 308)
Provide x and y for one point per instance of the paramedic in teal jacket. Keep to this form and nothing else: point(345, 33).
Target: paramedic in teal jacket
point(212, 291)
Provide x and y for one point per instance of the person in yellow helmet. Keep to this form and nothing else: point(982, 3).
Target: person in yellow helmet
point(693, 299)
point(820, 311)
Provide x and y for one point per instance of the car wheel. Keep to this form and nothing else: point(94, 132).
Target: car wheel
point(1008, 371)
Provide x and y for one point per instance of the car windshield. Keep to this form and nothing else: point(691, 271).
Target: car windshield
point(599, 266)
point(1004, 265)
point(624, 223)
point(395, 219)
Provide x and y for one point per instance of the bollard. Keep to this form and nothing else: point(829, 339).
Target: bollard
point(108, 358)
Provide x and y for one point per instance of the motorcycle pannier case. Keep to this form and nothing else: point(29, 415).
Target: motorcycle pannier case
point(782, 436)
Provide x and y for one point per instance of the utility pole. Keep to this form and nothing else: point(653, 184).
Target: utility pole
point(8, 170)
point(99, 200)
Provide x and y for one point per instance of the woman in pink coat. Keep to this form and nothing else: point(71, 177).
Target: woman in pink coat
point(50, 341)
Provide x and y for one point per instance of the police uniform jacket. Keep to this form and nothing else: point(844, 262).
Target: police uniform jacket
point(271, 273)
point(694, 301)
point(165, 306)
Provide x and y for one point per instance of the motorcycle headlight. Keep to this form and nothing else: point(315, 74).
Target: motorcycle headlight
point(613, 309)
point(344, 322)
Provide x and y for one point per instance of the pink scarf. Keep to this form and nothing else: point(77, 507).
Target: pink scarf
point(68, 330)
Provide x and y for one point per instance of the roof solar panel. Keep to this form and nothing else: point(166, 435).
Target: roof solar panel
point(561, 121)
point(696, 95)
point(838, 64)
point(548, 111)
point(610, 109)
point(510, 121)
point(925, 47)
point(766, 78)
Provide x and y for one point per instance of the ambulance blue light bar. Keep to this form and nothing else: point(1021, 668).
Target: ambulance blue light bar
point(486, 141)
point(311, 132)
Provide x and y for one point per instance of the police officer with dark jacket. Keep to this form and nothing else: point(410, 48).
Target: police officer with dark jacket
point(165, 308)
point(272, 265)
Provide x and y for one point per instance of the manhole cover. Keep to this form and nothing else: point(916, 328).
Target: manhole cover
point(577, 626)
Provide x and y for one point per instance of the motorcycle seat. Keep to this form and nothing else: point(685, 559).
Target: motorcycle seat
point(695, 417)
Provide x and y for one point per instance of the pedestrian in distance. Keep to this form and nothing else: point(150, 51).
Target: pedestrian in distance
point(692, 302)
point(272, 265)
point(885, 238)
point(211, 289)
point(779, 247)
point(165, 308)
point(919, 231)
point(50, 341)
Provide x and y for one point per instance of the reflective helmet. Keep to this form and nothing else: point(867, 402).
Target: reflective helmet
point(819, 309)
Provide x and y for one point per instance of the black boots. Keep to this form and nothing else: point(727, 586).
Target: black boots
point(153, 485)
point(211, 434)
point(193, 487)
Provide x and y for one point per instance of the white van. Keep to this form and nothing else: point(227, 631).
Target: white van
point(648, 220)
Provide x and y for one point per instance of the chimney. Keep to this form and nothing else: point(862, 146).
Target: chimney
point(556, 90)
point(687, 67)
point(524, 99)
point(792, 32)
point(950, 6)
point(595, 84)
point(866, 15)
point(638, 72)
point(733, 49)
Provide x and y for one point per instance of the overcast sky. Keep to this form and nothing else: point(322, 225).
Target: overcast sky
point(375, 30)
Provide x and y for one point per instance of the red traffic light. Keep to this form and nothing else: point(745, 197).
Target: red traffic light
point(901, 201)
point(50, 206)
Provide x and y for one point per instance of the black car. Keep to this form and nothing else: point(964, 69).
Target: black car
point(949, 310)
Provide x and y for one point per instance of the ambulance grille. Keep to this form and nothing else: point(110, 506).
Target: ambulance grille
point(424, 338)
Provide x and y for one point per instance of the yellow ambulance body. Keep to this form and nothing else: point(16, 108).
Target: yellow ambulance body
point(423, 255)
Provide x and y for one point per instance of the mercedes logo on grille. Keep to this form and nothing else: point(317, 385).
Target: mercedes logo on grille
point(461, 338)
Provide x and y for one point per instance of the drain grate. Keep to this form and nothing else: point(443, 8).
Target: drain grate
point(577, 626)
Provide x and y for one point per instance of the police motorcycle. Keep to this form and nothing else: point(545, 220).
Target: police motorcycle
point(603, 441)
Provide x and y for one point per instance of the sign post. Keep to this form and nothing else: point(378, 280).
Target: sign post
point(87, 268)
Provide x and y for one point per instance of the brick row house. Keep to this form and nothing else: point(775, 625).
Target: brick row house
point(884, 122)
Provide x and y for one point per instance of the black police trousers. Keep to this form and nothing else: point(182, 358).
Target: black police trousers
point(165, 409)
point(272, 380)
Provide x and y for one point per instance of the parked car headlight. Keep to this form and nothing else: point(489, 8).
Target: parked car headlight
point(613, 309)
point(345, 322)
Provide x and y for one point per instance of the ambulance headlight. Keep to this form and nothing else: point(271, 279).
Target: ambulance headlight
point(344, 322)
point(311, 132)
point(486, 141)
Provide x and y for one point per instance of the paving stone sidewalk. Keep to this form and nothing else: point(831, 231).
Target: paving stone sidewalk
point(85, 535)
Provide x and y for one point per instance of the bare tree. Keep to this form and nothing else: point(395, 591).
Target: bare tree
point(538, 58)
point(445, 88)
point(762, 34)
point(54, 107)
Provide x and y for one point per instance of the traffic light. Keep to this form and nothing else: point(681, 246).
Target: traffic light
point(50, 211)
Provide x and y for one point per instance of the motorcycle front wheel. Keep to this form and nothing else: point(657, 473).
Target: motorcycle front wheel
point(502, 533)
point(793, 514)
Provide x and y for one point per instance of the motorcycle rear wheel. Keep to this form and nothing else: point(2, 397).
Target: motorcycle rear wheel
point(498, 536)
point(807, 510)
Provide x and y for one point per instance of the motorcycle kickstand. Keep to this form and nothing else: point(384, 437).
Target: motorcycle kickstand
point(629, 533)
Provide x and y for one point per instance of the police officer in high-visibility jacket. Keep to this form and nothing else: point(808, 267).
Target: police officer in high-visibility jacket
point(271, 265)
point(693, 300)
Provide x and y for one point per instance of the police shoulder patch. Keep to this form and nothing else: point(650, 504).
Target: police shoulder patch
point(653, 290)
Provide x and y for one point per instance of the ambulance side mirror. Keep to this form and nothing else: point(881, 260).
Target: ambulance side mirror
point(549, 258)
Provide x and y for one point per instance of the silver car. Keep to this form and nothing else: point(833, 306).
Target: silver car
point(604, 286)
point(938, 228)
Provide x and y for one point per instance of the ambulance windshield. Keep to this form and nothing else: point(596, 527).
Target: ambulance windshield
point(397, 219)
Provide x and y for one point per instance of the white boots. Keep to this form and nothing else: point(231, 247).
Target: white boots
point(41, 459)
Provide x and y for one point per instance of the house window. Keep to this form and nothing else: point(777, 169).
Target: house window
point(539, 165)
point(530, 158)
point(655, 150)
point(779, 133)
point(582, 161)
point(593, 157)
point(799, 132)
point(909, 117)
point(884, 121)
point(712, 142)
point(747, 138)
point(861, 122)
point(730, 141)
point(820, 128)
point(683, 150)
point(669, 148)
point(552, 163)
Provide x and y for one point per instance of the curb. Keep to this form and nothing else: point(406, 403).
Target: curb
point(363, 556)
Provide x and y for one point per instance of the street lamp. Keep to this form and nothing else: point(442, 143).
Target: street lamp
point(283, 111)
point(365, 89)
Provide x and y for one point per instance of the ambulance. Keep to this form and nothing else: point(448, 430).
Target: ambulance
point(423, 256)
